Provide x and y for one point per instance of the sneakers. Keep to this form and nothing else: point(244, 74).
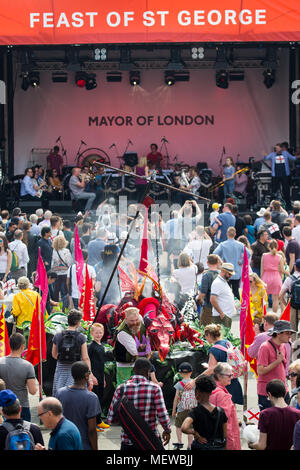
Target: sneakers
point(98, 429)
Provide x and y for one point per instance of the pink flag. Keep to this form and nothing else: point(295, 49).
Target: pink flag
point(245, 298)
point(78, 260)
point(144, 246)
point(41, 281)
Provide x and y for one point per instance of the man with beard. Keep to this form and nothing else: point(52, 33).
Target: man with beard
point(126, 350)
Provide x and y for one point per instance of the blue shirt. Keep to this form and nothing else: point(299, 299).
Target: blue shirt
point(287, 156)
point(94, 250)
point(258, 222)
point(228, 220)
point(229, 171)
point(65, 436)
point(27, 187)
point(232, 251)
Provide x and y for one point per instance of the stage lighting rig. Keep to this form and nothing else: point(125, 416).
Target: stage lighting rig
point(269, 77)
point(100, 54)
point(197, 53)
point(30, 79)
point(134, 78)
point(169, 79)
point(85, 80)
point(222, 79)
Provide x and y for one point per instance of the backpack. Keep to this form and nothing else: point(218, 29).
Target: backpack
point(69, 348)
point(295, 292)
point(235, 359)
point(14, 261)
point(19, 436)
point(187, 398)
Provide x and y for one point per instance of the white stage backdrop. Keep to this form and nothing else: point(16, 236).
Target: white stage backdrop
point(196, 117)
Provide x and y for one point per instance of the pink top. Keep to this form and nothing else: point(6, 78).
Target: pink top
point(266, 355)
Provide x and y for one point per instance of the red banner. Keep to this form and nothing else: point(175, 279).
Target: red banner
point(117, 21)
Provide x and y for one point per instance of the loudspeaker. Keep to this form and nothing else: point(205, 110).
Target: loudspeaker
point(28, 205)
point(60, 206)
point(131, 159)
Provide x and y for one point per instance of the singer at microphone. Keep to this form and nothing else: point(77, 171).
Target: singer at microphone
point(55, 160)
point(154, 158)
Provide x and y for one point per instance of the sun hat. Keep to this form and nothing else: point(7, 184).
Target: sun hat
point(280, 326)
point(261, 212)
point(228, 267)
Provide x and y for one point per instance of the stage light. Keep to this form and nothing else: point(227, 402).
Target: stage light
point(59, 77)
point(197, 53)
point(269, 77)
point(30, 79)
point(134, 78)
point(84, 80)
point(100, 54)
point(222, 79)
point(113, 77)
point(25, 82)
point(169, 79)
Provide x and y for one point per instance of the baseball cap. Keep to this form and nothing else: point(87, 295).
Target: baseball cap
point(7, 398)
point(215, 205)
point(185, 367)
point(297, 263)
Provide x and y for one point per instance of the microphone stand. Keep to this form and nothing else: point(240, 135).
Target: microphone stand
point(64, 152)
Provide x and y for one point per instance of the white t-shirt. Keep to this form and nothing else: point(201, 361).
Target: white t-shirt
point(186, 278)
point(296, 233)
point(92, 274)
point(198, 250)
point(221, 289)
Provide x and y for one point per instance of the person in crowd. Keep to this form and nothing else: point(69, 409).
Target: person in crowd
point(272, 361)
point(271, 227)
point(185, 274)
point(67, 231)
point(56, 226)
point(239, 222)
point(278, 214)
point(296, 229)
point(18, 247)
point(292, 249)
point(5, 258)
point(63, 376)
point(125, 348)
point(11, 228)
point(55, 160)
point(222, 398)
point(198, 247)
point(258, 249)
point(96, 246)
point(259, 221)
point(286, 289)
point(11, 409)
point(203, 297)
point(80, 405)
point(45, 245)
point(46, 221)
point(24, 302)
point(215, 212)
point(276, 424)
point(86, 232)
point(4, 217)
point(60, 263)
point(148, 399)
point(259, 297)
point(296, 437)
point(72, 284)
point(201, 421)
point(228, 177)
point(294, 377)
point(18, 374)
point(272, 270)
point(31, 242)
point(64, 433)
point(261, 333)
point(77, 188)
point(232, 251)
point(96, 354)
point(222, 223)
point(180, 411)
point(249, 230)
point(222, 298)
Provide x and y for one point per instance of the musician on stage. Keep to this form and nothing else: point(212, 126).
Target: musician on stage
point(228, 177)
point(77, 188)
point(280, 172)
point(154, 158)
point(55, 161)
point(241, 181)
point(27, 186)
point(194, 183)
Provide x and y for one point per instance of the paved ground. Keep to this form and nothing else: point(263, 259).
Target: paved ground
point(110, 439)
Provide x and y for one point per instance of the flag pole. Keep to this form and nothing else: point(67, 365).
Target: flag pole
point(40, 368)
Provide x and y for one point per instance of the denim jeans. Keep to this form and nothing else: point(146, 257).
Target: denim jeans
point(90, 197)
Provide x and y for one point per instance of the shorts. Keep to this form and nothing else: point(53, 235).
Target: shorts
point(180, 417)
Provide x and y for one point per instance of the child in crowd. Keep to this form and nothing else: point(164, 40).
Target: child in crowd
point(96, 354)
point(184, 401)
point(216, 207)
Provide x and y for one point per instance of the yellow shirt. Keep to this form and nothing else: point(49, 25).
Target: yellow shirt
point(23, 305)
point(258, 299)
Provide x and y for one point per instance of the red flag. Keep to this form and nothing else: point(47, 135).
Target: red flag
point(4, 341)
point(245, 299)
point(37, 348)
point(78, 260)
point(144, 247)
point(286, 314)
point(86, 302)
point(249, 338)
point(41, 281)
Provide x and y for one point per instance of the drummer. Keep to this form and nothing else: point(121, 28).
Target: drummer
point(154, 158)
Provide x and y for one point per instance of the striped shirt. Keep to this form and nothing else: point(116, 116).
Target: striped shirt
point(148, 399)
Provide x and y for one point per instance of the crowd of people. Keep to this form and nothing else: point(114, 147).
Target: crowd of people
point(203, 264)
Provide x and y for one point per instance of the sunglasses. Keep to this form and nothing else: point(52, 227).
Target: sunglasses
point(292, 374)
point(228, 375)
point(41, 414)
